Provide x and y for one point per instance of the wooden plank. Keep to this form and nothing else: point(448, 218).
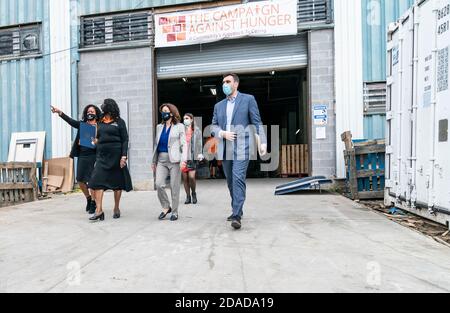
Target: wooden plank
point(283, 160)
point(365, 143)
point(11, 181)
point(287, 160)
point(367, 195)
point(346, 137)
point(307, 159)
point(302, 159)
point(294, 159)
point(16, 186)
point(369, 173)
point(353, 178)
point(45, 177)
point(366, 167)
point(297, 159)
point(13, 165)
point(33, 180)
point(291, 161)
point(370, 149)
point(375, 180)
point(20, 176)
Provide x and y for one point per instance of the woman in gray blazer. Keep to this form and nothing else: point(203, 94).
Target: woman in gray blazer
point(194, 154)
point(169, 152)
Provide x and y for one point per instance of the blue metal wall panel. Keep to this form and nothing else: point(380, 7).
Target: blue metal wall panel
point(376, 16)
point(101, 6)
point(25, 83)
point(375, 126)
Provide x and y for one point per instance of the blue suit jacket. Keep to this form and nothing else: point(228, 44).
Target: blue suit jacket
point(246, 121)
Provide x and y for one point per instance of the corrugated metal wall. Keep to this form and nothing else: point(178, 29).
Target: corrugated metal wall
point(87, 7)
point(348, 75)
point(60, 60)
point(375, 126)
point(25, 83)
point(376, 16)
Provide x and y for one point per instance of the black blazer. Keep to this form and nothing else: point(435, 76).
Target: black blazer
point(75, 152)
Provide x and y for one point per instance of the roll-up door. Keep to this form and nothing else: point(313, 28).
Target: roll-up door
point(250, 55)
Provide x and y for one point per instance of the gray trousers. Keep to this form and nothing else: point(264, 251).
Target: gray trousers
point(163, 170)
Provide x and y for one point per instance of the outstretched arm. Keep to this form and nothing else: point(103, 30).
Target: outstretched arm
point(69, 120)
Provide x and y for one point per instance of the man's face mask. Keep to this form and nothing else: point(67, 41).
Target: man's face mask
point(227, 90)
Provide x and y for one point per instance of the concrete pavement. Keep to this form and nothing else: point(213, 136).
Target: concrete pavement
point(297, 243)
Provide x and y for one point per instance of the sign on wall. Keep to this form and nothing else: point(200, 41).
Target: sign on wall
point(320, 115)
point(255, 19)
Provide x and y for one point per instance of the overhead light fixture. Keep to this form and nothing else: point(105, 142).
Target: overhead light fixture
point(185, 79)
point(213, 91)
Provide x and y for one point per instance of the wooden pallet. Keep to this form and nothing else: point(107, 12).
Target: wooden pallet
point(365, 164)
point(18, 183)
point(294, 161)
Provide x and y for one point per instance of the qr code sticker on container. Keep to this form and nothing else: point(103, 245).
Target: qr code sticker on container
point(442, 78)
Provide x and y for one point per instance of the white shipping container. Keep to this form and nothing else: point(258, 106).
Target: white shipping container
point(418, 105)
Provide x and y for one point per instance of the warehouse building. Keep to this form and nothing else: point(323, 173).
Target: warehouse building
point(305, 71)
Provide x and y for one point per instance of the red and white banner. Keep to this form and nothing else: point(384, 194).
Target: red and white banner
point(254, 19)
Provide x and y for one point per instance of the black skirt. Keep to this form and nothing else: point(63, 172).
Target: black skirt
point(107, 174)
point(85, 166)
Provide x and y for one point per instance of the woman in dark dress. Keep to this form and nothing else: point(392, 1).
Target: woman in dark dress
point(111, 171)
point(86, 156)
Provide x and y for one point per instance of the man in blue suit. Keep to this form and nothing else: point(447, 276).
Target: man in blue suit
point(235, 118)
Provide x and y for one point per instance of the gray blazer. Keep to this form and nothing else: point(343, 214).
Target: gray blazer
point(177, 143)
point(196, 145)
point(245, 114)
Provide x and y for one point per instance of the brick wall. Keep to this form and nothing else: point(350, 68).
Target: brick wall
point(126, 76)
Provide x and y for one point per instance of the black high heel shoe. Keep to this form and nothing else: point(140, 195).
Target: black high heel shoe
point(96, 217)
point(116, 215)
point(163, 215)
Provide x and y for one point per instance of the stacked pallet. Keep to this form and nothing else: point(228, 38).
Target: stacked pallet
point(18, 183)
point(365, 164)
point(294, 161)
